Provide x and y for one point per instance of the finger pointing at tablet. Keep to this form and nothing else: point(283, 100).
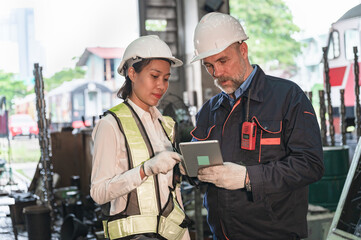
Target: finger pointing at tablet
point(161, 163)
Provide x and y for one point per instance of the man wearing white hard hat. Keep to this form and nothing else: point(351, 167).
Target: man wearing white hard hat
point(269, 138)
point(134, 176)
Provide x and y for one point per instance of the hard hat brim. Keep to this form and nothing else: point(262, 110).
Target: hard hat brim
point(213, 52)
point(208, 54)
point(175, 63)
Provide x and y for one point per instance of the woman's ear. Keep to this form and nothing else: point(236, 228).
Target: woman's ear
point(131, 73)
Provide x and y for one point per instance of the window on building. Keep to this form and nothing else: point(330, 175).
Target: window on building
point(91, 104)
point(78, 106)
point(334, 47)
point(352, 39)
point(106, 101)
point(108, 69)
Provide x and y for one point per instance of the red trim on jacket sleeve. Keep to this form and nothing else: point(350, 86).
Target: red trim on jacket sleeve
point(309, 113)
point(202, 139)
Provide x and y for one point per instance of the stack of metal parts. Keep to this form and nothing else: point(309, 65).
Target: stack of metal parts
point(328, 93)
point(357, 94)
point(342, 106)
point(45, 165)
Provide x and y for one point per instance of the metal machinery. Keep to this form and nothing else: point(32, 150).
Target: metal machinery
point(44, 141)
point(344, 36)
point(346, 223)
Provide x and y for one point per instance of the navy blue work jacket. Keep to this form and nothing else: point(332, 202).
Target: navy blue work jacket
point(288, 157)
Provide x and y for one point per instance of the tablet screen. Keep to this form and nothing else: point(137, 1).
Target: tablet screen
point(200, 154)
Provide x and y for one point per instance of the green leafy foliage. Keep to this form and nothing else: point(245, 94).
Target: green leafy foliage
point(155, 25)
point(10, 87)
point(269, 26)
point(65, 75)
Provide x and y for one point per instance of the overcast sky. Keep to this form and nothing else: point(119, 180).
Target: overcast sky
point(316, 16)
point(77, 24)
point(66, 27)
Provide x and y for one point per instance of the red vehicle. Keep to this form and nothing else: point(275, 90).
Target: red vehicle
point(23, 125)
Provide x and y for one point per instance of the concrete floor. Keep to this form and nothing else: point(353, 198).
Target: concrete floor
point(19, 183)
point(12, 183)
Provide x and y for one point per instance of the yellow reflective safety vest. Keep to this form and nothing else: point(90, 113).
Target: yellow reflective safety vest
point(143, 213)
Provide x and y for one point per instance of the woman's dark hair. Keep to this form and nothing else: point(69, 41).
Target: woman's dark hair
point(125, 91)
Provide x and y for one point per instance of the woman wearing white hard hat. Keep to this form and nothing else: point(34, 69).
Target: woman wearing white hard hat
point(135, 177)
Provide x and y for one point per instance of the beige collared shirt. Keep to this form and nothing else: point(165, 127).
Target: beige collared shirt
point(111, 180)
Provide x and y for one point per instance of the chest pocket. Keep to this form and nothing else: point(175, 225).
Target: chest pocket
point(270, 140)
point(269, 145)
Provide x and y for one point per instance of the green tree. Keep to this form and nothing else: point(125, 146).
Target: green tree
point(269, 26)
point(11, 88)
point(65, 75)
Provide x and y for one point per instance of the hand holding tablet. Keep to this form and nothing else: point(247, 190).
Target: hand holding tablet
point(200, 154)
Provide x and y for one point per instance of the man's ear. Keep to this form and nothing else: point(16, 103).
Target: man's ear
point(244, 49)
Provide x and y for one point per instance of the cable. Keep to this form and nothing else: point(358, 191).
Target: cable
point(248, 100)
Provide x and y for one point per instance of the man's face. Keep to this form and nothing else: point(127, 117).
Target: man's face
point(228, 68)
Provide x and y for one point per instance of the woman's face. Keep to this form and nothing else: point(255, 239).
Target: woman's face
point(150, 84)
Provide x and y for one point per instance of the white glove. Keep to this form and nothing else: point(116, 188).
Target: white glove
point(230, 175)
point(161, 163)
point(181, 168)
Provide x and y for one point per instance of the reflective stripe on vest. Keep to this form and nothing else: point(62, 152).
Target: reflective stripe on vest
point(146, 222)
point(168, 126)
point(139, 152)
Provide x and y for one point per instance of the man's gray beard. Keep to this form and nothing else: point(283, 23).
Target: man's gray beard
point(236, 83)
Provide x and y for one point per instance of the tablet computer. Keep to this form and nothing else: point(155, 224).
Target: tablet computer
point(200, 154)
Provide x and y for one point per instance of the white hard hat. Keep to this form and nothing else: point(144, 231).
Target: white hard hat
point(150, 46)
point(214, 33)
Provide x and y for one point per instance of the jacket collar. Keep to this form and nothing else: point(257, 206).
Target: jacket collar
point(257, 86)
point(257, 93)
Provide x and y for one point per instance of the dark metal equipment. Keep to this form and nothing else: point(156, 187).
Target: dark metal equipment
point(328, 92)
point(198, 213)
point(4, 133)
point(343, 117)
point(357, 94)
point(45, 160)
point(173, 32)
point(323, 117)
